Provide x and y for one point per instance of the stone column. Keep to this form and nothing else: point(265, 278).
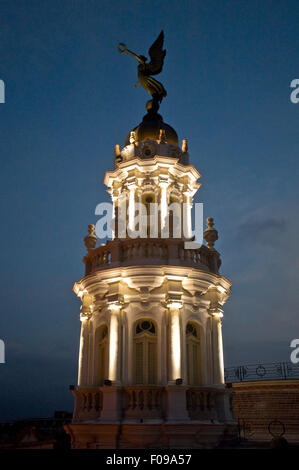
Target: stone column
point(114, 339)
point(187, 220)
point(111, 411)
point(115, 217)
point(175, 341)
point(164, 207)
point(83, 353)
point(175, 393)
point(86, 313)
point(131, 209)
point(217, 345)
point(209, 352)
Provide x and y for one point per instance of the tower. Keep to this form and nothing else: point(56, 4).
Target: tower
point(151, 357)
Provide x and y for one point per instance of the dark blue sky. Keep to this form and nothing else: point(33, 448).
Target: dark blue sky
point(70, 98)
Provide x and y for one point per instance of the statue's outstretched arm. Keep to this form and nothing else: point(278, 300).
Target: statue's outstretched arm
point(124, 50)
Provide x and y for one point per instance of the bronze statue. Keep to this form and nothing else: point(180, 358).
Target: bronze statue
point(154, 67)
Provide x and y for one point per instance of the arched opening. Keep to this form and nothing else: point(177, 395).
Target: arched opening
point(175, 217)
point(102, 363)
point(193, 356)
point(148, 199)
point(145, 352)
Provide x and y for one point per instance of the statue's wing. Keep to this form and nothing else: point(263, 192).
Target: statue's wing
point(157, 55)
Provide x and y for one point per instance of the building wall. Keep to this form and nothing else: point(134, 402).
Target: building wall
point(269, 404)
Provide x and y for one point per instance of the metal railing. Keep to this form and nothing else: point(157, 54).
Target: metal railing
point(262, 371)
point(263, 430)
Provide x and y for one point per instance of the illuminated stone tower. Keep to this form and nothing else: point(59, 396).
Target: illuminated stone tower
point(151, 357)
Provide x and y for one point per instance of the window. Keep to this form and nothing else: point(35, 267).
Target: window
point(102, 353)
point(193, 354)
point(145, 352)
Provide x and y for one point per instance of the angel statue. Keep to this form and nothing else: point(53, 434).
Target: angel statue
point(154, 67)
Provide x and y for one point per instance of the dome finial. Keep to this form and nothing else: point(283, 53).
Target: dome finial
point(145, 69)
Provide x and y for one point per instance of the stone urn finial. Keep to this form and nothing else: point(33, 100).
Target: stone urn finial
point(117, 154)
point(185, 145)
point(91, 239)
point(210, 234)
point(132, 137)
point(116, 151)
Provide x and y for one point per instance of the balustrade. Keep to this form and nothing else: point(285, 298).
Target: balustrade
point(143, 402)
point(88, 404)
point(150, 251)
point(201, 403)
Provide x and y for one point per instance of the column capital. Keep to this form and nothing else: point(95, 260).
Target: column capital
point(115, 302)
point(87, 306)
point(132, 186)
point(173, 297)
point(85, 316)
point(131, 182)
point(174, 302)
point(187, 192)
point(216, 312)
point(217, 295)
point(163, 181)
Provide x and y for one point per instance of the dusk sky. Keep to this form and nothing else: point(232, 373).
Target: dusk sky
point(70, 98)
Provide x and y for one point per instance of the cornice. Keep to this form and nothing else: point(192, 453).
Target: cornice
point(150, 277)
point(151, 164)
